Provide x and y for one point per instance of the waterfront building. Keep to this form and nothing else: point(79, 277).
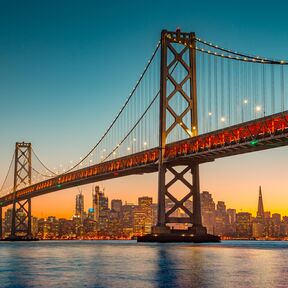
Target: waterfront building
point(142, 216)
point(115, 225)
point(231, 225)
point(154, 207)
point(258, 229)
point(54, 226)
point(221, 219)
point(66, 228)
point(276, 223)
point(34, 226)
point(7, 222)
point(127, 219)
point(284, 227)
point(208, 211)
point(244, 225)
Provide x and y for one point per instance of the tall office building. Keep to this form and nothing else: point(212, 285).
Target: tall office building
point(260, 226)
point(142, 216)
point(79, 205)
point(260, 210)
point(244, 224)
point(95, 203)
point(101, 210)
point(208, 211)
point(231, 218)
point(7, 222)
point(221, 219)
point(127, 219)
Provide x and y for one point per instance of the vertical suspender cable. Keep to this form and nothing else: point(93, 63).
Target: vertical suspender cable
point(282, 87)
point(209, 94)
point(216, 117)
point(272, 90)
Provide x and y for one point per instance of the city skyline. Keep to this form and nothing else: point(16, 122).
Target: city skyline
point(87, 194)
point(114, 219)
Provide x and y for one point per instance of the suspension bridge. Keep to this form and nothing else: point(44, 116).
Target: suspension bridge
point(195, 102)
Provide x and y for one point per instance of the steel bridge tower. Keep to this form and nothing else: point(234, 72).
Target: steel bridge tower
point(21, 212)
point(186, 167)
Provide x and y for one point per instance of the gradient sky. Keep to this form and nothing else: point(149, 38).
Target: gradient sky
point(66, 68)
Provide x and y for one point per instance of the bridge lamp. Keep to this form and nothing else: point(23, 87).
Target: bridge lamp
point(258, 108)
point(101, 157)
point(245, 101)
point(134, 139)
point(145, 143)
point(128, 149)
point(91, 161)
point(222, 119)
point(210, 113)
point(114, 153)
point(104, 150)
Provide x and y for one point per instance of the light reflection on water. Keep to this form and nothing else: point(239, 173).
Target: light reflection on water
point(128, 264)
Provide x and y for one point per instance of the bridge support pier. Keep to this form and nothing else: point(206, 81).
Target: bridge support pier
point(21, 220)
point(21, 212)
point(169, 214)
point(179, 211)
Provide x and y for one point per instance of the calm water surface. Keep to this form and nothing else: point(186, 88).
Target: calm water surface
point(129, 264)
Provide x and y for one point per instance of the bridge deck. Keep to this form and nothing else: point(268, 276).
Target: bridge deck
point(260, 134)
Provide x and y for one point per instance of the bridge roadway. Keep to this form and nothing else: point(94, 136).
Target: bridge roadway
point(260, 134)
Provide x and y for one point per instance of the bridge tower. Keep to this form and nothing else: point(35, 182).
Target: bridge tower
point(21, 212)
point(171, 43)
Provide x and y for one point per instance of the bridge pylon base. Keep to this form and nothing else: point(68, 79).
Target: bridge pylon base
point(179, 216)
point(178, 236)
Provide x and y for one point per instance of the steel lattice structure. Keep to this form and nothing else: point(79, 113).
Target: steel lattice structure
point(21, 213)
point(190, 96)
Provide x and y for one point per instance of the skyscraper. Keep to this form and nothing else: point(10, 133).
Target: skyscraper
point(79, 207)
point(208, 211)
point(260, 211)
point(259, 227)
point(101, 210)
point(142, 216)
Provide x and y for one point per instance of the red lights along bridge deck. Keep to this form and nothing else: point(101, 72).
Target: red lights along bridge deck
point(260, 134)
